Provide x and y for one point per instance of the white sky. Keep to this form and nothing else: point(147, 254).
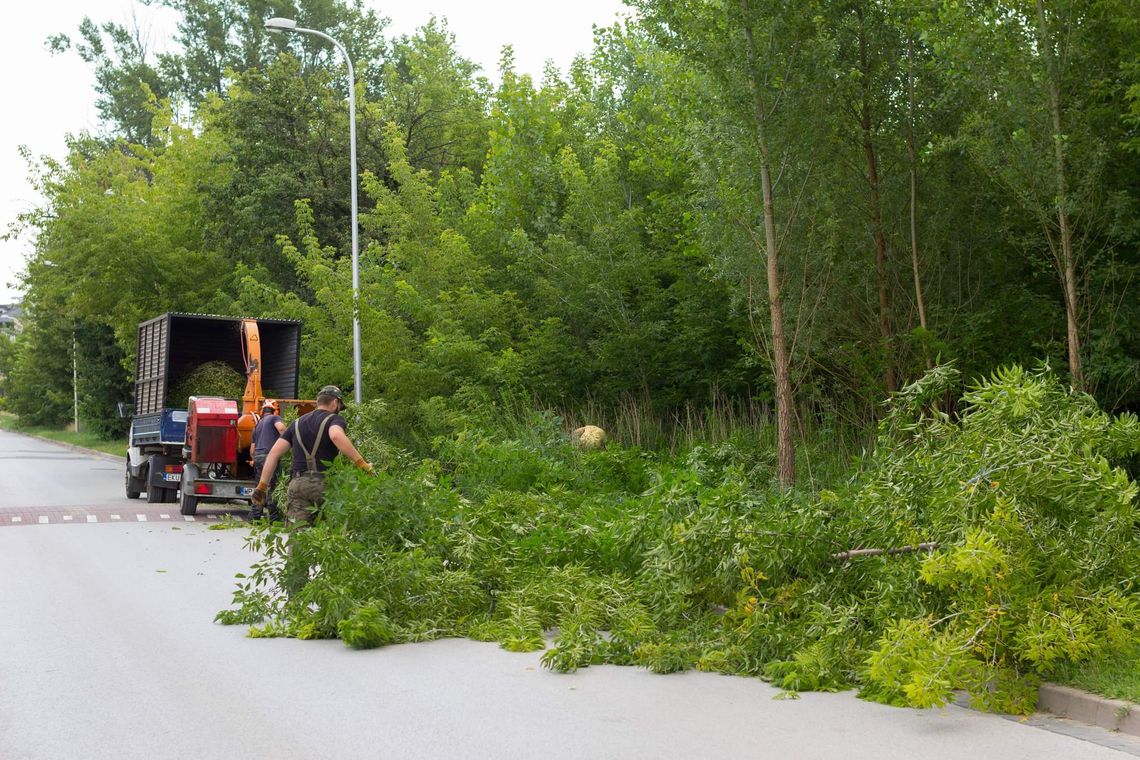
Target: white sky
point(48, 96)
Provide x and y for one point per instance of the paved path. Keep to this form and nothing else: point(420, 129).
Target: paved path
point(45, 483)
point(107, 650)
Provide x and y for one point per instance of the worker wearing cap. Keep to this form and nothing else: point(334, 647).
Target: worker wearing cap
point(265, 434)
point(318, 437)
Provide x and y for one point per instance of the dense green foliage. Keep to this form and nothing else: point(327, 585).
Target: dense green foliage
point(703, 562)
point(595, 239)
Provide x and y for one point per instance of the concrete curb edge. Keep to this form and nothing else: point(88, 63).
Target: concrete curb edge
point(1075, 704)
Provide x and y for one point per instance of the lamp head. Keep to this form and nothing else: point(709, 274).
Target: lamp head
point(278, 24)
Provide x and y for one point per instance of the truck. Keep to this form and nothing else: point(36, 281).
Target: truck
point(213, 462)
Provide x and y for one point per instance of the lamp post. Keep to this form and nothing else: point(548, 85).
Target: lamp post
point(75, 378)
point(289, 25)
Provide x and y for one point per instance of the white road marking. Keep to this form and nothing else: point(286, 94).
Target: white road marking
point(213, 517)
point(188, 518)
point(141, 518)
point(165, 517)
point(67, 517)
point(92, 518)
point(17, 519)
point(114, 517)
point(43, 520)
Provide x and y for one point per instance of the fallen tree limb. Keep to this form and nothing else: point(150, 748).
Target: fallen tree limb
point(850, 553)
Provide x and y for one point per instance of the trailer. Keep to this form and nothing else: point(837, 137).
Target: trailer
point(161, 461)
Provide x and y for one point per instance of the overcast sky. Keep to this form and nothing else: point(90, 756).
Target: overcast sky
point(48, 96)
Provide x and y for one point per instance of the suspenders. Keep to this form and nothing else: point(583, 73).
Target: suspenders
point(311, 456)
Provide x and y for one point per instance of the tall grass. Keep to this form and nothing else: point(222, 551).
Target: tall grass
point(827, 451)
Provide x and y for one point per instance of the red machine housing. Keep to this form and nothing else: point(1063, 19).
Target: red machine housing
point(211, 430)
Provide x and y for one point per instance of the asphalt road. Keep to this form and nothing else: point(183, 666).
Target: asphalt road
point(107, 650)
point(47, 483)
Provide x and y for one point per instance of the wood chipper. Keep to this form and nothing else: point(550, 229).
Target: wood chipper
point(201, 453)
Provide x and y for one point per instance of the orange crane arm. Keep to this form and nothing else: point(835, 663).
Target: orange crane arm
point(252, 398)
point(252, 346)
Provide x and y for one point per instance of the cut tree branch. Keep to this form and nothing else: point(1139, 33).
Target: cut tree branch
point(850, 553)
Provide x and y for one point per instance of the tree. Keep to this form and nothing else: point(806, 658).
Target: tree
point(216, 41)
point(281, 136)
point(868, 51)
point(758, 59)
point(1029, 67)
point(121, 238)
point(433, 93)
point(221, 38)
point(127, 80)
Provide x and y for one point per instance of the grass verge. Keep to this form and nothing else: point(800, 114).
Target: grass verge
point(1115, 677)
point(11, 422)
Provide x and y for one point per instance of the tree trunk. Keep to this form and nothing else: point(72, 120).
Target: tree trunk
point(912, 154)
point(785, 444)
point(1067, 263)
point(786, 452)
point(914, 233)
point(877, 227)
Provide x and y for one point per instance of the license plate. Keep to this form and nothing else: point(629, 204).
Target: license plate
point(246, 491)
point(172, 477)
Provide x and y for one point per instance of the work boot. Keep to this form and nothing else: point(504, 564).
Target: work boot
point(254, 514)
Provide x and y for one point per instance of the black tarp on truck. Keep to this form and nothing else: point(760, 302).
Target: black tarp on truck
point(170, 347)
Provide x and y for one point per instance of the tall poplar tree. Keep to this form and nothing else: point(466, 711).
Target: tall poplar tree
point(761, 61)
point(1032, 70)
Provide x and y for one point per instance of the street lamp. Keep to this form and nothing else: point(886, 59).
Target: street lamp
point(289, 25)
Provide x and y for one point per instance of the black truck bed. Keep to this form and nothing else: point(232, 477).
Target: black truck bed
point(174, 344)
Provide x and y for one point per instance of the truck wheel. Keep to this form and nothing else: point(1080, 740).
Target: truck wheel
point(133, 490)
point(187, 502)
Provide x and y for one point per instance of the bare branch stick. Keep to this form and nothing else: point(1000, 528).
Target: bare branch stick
point(926, 546)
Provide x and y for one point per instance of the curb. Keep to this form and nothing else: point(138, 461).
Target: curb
point(1074, 704)
point(73, 447)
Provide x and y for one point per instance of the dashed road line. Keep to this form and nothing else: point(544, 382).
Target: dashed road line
point(39, 515)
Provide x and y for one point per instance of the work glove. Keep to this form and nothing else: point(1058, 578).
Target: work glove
point(260, 494)
point(364, 465)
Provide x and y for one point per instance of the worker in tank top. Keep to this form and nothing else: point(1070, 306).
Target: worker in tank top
point(317, 437)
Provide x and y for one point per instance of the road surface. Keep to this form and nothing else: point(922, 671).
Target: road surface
point(107, 650)
point(46, 483)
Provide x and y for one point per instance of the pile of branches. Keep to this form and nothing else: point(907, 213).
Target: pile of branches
point(978, 553)
point(209, 379)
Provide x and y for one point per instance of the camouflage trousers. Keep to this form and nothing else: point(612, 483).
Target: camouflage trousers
point(304, 498)
point(303, 502)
